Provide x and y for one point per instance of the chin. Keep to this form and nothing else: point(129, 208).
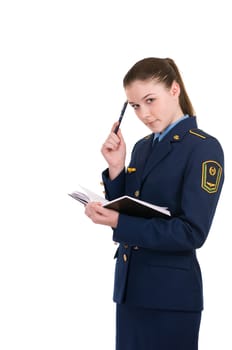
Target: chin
point(154, 129)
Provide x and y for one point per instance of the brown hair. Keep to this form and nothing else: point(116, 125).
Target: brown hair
point(162, 70)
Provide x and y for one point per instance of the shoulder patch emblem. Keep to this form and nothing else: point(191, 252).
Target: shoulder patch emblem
point(211, 175)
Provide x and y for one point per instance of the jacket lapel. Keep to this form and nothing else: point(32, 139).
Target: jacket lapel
point(164, 147)
point(145, 159)
point(144, 154)
point(160, 151)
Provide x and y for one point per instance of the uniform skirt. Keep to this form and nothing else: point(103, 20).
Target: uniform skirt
point(140, 328)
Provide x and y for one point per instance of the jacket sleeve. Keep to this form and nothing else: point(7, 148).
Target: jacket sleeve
point(114, 188)
point(187, 229)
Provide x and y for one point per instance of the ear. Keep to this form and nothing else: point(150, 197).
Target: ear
point(175, 89)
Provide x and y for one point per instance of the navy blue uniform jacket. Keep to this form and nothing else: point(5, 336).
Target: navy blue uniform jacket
point(156, 264)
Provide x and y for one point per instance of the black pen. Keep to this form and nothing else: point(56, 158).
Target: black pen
point(121, 116)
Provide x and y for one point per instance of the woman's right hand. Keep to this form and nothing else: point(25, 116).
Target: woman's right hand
point(114, 152)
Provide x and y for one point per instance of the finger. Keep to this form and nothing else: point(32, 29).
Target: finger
point(112, 143)
point(114, 126)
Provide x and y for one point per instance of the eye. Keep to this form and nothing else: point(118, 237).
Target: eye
point(135, 106)
point(150, 100)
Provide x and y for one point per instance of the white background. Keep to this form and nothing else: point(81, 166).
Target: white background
point(61, 70)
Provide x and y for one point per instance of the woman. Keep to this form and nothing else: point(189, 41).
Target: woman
point(158, 284)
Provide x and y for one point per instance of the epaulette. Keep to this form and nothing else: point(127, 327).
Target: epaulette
point(198, 133)
point(148, 136)
point(143, 139)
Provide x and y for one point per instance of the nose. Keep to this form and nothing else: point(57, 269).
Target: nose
point(144, 113)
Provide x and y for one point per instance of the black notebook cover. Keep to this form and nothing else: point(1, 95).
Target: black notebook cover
point(129, 206)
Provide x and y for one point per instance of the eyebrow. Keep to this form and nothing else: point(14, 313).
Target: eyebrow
point(147, 95)
point(143, 98)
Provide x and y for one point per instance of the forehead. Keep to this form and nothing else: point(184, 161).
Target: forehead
point(140, 88)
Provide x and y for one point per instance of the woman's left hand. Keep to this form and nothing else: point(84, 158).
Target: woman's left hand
point(100, 215)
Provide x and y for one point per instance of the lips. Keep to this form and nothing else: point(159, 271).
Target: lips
point(152, 122)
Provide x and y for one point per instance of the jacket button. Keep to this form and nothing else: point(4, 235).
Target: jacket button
point(125, 257)
point(136, 193)
point(126, 246)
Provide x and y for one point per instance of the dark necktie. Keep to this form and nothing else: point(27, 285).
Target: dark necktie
point(154, 143)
